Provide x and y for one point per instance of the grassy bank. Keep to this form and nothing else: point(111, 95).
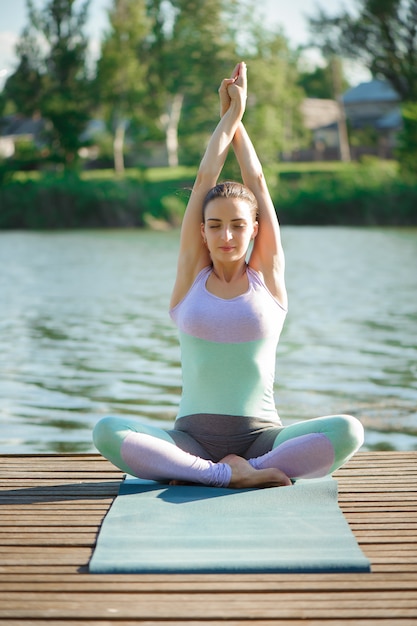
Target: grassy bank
point(370, 193)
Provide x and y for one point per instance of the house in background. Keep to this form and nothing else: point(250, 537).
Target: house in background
point(372, 110)
point(321, 118)
point(374, 105)
point(14, 128)
point(368, 102)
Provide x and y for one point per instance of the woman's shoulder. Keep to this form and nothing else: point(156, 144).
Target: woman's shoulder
point(201, 277)
point(257, 278)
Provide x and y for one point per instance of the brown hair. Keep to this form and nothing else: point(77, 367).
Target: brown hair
point(231, 189)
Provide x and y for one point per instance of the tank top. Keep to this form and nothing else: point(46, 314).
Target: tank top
point(228, 350)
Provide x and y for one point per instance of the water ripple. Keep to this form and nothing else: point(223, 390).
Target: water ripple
point(84, 332)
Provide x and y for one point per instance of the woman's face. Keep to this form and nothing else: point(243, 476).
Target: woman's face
point(228, 228)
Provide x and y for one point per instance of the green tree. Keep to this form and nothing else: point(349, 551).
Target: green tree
point(273, 113)
point(383, 36)
point(52, 77)
point(407, 150)
point(121, 70)
point(24, 87)
point(186, 55)
point(165, 64)
point(319, 83)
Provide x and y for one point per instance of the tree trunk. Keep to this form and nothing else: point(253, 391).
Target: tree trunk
point(170, 122)
point(118, 147)
point(343, 133)
point(344, 148)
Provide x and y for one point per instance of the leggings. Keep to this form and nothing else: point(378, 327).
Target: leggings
point(308, 449)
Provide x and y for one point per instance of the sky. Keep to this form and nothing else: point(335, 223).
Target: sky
point(291, 16)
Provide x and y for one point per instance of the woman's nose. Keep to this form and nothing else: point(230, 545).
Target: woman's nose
point(227, 234)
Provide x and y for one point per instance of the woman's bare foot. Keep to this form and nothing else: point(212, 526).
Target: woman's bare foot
point(183, 483)
point(244, 475)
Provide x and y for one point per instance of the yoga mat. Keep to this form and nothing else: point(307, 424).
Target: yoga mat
point(155, 528)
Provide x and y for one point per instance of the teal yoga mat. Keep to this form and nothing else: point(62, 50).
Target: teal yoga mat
point(156, 528)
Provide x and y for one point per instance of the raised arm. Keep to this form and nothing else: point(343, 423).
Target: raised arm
point(193, 254)
point(267, 255)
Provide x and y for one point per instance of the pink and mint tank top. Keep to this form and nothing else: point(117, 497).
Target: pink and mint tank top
point(228, 350)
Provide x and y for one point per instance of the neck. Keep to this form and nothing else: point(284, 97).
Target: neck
point(229, 274)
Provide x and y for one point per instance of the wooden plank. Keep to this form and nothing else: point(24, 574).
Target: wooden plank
point(208, 584)
point(174, 622)
point(181, 605)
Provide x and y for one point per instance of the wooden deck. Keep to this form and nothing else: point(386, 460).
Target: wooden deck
point(52, 507)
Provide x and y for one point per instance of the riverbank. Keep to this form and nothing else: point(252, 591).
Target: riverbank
point(356, 194)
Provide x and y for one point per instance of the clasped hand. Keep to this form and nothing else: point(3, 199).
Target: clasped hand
point(234, 89)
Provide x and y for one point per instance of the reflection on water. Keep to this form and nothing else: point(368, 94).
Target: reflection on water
point(84, 332)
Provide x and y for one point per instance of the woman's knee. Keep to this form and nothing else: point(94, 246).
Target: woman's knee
point(110, 432)
point(108, 435)
point(349, 430)
point(344, 432)
point(347, 435)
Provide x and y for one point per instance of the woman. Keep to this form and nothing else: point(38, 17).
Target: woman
point(229, 307)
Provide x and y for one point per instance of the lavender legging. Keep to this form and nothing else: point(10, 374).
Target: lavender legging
point(308, 449)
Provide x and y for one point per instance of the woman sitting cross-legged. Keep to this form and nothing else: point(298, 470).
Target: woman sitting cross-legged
point(229, 306)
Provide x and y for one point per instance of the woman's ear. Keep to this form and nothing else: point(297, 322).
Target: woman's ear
point(255, 230)
point(203, 232)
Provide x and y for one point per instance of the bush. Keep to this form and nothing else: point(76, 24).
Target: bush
point(407, 149)
point(363, 195)
point(369, 193)
point(70, 202)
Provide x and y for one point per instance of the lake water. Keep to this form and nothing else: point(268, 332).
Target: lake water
point(84, 332)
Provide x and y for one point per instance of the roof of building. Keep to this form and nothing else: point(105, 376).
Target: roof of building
point(15, 125)
point(372, 91)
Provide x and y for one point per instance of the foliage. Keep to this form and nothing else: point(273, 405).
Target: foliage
point(52, 75)
point(160, 66)
point(363, 136)
point(24, 87)
point(157, 77)
point(273, 115)
point(366, 194)
point(27, 155)
point(319, 83)
point(186, 56)
point(69, 202)
point(120, 79)
point(383, 36)
point(407, 149)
